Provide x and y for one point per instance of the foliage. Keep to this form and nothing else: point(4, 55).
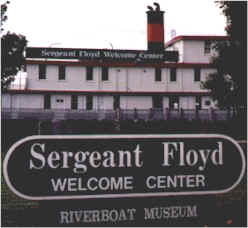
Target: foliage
point(12, 57)
point(3, 13)
point(228, 84)
point(12, 52)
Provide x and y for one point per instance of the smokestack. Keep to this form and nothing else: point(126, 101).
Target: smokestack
point(155, 28)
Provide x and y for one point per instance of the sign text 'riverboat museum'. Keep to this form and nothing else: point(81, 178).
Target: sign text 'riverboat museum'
point(118, 168)
point(119, 179)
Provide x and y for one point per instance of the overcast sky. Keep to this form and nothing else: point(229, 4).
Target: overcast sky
point(106, 23)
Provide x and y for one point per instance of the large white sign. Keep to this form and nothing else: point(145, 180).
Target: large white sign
point(117, 166)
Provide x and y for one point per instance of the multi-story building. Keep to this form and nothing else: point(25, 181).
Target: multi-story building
point(165, 76)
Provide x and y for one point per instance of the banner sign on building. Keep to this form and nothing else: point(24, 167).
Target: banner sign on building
point(102, 54)
point(118, 166)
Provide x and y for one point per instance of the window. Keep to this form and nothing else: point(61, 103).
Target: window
point(157, 102)
point(89, 102)
point(42, 71)
point(89, 73)
point(74, 102)
point(105, 74)
point(207, 46)
point(198, 102)
point(173, 74)
point(173, 102)
point(158, 76)
point(116, 102)
point(47, 101)
point(207, 103)
point(197, 74)
point(61, 72)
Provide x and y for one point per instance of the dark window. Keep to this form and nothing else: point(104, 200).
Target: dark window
point(158, 76)
point(197, 74)
point(47, 101)
point(89, 73)
point(116, 102)
point(74, 102)
point(42, 71)
point(174, 102)
point(104, 73)
point(198, 102)
point(61, 72)
point(207, 102)
point(89, 102)
point(157, 102)
point(173, 74)
point(207, 46)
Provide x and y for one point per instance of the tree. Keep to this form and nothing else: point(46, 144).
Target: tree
point(12, 53)
point(3, 13)
point(228, 85)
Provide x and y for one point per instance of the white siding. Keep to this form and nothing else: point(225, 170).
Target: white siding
point(165, 102)
point(139, 102)
point(22, 101)
point(175, 85)
point(178, 46)
point(5, 100)
point(27, 101)
point(187, 102)
point(194, 52)
point(81, 100)
point(120, 79)
point(60, 101)
point(100, 102)
point(104, 102)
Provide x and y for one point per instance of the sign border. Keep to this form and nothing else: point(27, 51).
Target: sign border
point(121, 136)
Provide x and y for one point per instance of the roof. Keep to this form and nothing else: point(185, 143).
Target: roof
point(196, 38)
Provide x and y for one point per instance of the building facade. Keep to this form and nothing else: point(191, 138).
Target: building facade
point(165, 76)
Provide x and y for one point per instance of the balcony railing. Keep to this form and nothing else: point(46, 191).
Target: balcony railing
point(123, 114)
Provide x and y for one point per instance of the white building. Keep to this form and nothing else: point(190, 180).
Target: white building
point(95, 79)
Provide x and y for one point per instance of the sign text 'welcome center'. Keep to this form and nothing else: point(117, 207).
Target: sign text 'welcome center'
point(102, 166)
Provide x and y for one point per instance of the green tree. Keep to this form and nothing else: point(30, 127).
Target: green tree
point(12, 52)
point(3, 13)
point(228, 85)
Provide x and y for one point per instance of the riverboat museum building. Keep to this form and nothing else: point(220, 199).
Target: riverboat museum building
point(166, 76)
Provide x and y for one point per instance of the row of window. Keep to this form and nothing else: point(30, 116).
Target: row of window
point(61, 72)
point(89, 73)
point(74, 102)
point(173, 74)
point(157, 102)
point(42, 72)
point(105, 74)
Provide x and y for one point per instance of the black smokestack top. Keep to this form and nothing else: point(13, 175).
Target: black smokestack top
point(157, 6)
point(155, 28)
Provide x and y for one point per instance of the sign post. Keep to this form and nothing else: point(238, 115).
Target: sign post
point(125, 179)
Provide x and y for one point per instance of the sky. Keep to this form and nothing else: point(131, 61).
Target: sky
point(118, 24)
